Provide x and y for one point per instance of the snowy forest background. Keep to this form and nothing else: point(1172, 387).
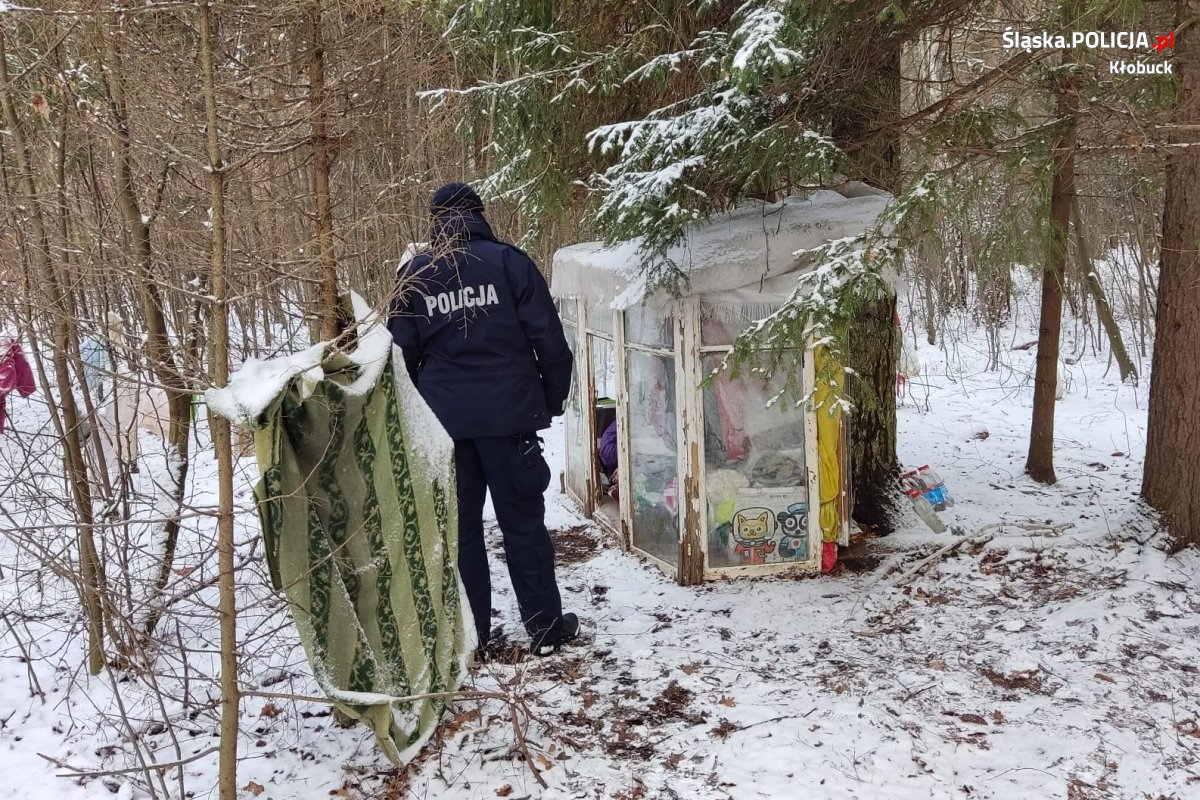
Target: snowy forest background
point(215, 173)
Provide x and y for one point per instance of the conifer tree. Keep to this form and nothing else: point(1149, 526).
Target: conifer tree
point(655, 116)
point(1171, 482)
point(645, 118)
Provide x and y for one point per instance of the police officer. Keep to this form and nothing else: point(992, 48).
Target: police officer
point(484, 345)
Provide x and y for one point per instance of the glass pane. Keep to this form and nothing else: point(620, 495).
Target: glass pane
point(604, 367)
point(755, 471)
point(578, 448)
point(647, 327)
point(600, 318)
point(653, 476)
point(721, 324)
point(568, 309)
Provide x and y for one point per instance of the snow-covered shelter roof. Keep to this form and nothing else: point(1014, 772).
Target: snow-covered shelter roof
point(747, 255)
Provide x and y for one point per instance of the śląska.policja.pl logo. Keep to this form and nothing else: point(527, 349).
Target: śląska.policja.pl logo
point(1155, 43)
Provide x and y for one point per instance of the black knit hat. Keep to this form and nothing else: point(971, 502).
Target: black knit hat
point(456, 197)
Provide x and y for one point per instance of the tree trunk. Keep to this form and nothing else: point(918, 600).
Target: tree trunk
point(927, 256)
point(873, 350)
point(874, 355)
point(219, 426)
point(92, 574)
point(1103, 309)
point(62, 215)
point(158, 343)
point(1171, 480)
point(330, 316)
point(1040, 462)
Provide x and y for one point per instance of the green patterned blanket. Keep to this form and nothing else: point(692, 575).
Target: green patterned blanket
point(358, 512)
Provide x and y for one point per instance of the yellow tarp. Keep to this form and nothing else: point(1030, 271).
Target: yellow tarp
point(830, 383)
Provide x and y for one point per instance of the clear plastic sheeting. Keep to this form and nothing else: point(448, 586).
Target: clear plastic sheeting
point(745, 248)
point(721, 323)
point(653, 475)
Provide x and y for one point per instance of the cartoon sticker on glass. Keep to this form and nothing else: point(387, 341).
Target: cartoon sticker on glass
point(754, 530)
point(793, 535)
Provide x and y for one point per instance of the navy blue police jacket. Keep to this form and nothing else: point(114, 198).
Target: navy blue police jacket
point(480, 335)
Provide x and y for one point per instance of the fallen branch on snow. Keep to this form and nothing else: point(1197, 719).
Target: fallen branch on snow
point(938, 555)
point(76, 772)
point(985, 535)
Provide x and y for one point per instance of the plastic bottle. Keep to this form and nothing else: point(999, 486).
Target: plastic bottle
point(927, 514)
point(943, 492)
point(935, 490)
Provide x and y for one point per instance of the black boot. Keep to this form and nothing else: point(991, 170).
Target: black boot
point(549, 642)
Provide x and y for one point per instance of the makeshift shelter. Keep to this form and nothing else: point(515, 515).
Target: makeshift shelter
point(713, 478)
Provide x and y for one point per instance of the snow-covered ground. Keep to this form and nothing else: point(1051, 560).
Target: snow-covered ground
point(1058, 661)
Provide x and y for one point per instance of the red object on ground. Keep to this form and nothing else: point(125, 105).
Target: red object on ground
point(828, 556)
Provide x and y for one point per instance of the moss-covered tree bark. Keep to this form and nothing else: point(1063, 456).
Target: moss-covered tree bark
point(873, 353)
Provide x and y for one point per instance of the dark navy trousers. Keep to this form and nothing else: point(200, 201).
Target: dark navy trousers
point(513, 469)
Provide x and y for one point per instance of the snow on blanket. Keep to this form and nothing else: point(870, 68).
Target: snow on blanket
point(360, 532)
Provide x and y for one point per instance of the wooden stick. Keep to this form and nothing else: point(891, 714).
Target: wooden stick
point(459, 695)
point(939, 554)
point(985, 535)
point(523, 746)
point(76, 772)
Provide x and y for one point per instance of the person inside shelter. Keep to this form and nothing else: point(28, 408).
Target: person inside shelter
point(607, 454)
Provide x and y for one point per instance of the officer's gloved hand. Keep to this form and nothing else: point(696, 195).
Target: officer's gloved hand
point(555, 406)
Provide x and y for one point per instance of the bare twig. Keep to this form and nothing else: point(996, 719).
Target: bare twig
point(938, 555)
point(76, 772)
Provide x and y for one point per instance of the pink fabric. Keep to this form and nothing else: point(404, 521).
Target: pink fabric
point(15, 374)
point(730, 409)
point(731, 394)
